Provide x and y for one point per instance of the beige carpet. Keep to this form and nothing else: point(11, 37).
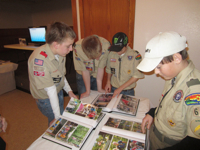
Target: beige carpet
point(25, 122)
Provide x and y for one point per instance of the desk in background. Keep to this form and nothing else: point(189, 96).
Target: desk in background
point(7, 82)
point(44, 144)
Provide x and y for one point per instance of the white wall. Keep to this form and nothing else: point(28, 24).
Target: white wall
point(154, 16)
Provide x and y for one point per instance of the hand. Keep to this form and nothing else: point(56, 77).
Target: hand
point(117, 92)
point(147, 120)
point(108, 88)
point(3, 124)
point(71, 94)
point(83, 95)
point(101, 91)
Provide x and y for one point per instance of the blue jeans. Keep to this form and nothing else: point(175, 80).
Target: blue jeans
point(125, 92)
point(44, 106)
point(81, 85)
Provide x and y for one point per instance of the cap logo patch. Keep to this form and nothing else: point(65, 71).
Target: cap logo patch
point(147, 51)
point(115, 40)
point(178, 96)
point(125, 40)
point(193, 99)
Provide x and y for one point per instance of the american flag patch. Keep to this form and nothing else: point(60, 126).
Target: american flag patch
point(38, 73)
point(38, 62)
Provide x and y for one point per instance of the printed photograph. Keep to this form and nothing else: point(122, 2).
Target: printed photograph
point(89, 111)
point(66, 130)
point(112, 122)
point(118, 143)
point(135, 145)
point(78, 136)
point(102, 142)
point(126, 125)
point(53, 130)
point(103, 100)
point(73, 105)
point(137, 127)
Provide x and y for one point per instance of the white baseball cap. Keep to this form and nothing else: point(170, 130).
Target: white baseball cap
point(162, 45)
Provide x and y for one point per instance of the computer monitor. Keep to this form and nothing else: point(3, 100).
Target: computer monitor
point(37, 35)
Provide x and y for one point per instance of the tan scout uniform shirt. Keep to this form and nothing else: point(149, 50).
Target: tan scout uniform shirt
point(125, 69)
point(82, 62)
point(179, 114)
point(45, 71)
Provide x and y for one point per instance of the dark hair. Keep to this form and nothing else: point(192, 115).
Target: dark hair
point(170, 58)
point(91, 46)
point(59, 31)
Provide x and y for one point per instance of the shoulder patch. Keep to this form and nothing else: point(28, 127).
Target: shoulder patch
point(38, 62)
point(138, 57)
point(43, 54)
point(193, 82)
point(195, 127)
point(193, 99)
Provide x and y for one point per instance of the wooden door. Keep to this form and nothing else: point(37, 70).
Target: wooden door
point(105, 18)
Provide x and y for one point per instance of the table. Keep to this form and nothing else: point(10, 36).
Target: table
point(42, 144)
point(7, 82)
point(21, 47)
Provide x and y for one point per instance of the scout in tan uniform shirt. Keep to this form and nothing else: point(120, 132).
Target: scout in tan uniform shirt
point(47, 71)
point(177, 118)
point(90, 56)
point(121, 66)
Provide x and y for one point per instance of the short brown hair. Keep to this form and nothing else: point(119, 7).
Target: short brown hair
point(58, 31)
point(91, 46)
point(170, 58)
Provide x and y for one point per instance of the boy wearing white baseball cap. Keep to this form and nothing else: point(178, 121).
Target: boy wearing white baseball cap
point(175, 123)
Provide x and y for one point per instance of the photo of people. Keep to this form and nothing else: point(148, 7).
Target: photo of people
point(103, 100)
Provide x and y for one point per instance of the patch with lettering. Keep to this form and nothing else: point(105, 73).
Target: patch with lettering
point(112, 70)
point(112, 59)
point(89, 68)
point(171, 122)
point(38, 62)
point(38, 73)
point(138, 57)
point(77, 58)
point(56, 80)
point(130, 57)
point(87, 63)
point(178, 96)
point(43, 54)
point(129, 71)
point(196, 112)
point(195, 127)
point(193, 99)
point(38, 68)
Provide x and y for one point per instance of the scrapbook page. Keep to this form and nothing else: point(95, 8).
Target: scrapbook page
point(123, 104)
point(83, 112)
point(67, 132)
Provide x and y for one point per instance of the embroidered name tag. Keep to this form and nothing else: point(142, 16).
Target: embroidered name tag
point(38, 73)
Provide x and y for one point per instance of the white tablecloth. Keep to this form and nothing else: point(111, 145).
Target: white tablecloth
point(42, 144)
